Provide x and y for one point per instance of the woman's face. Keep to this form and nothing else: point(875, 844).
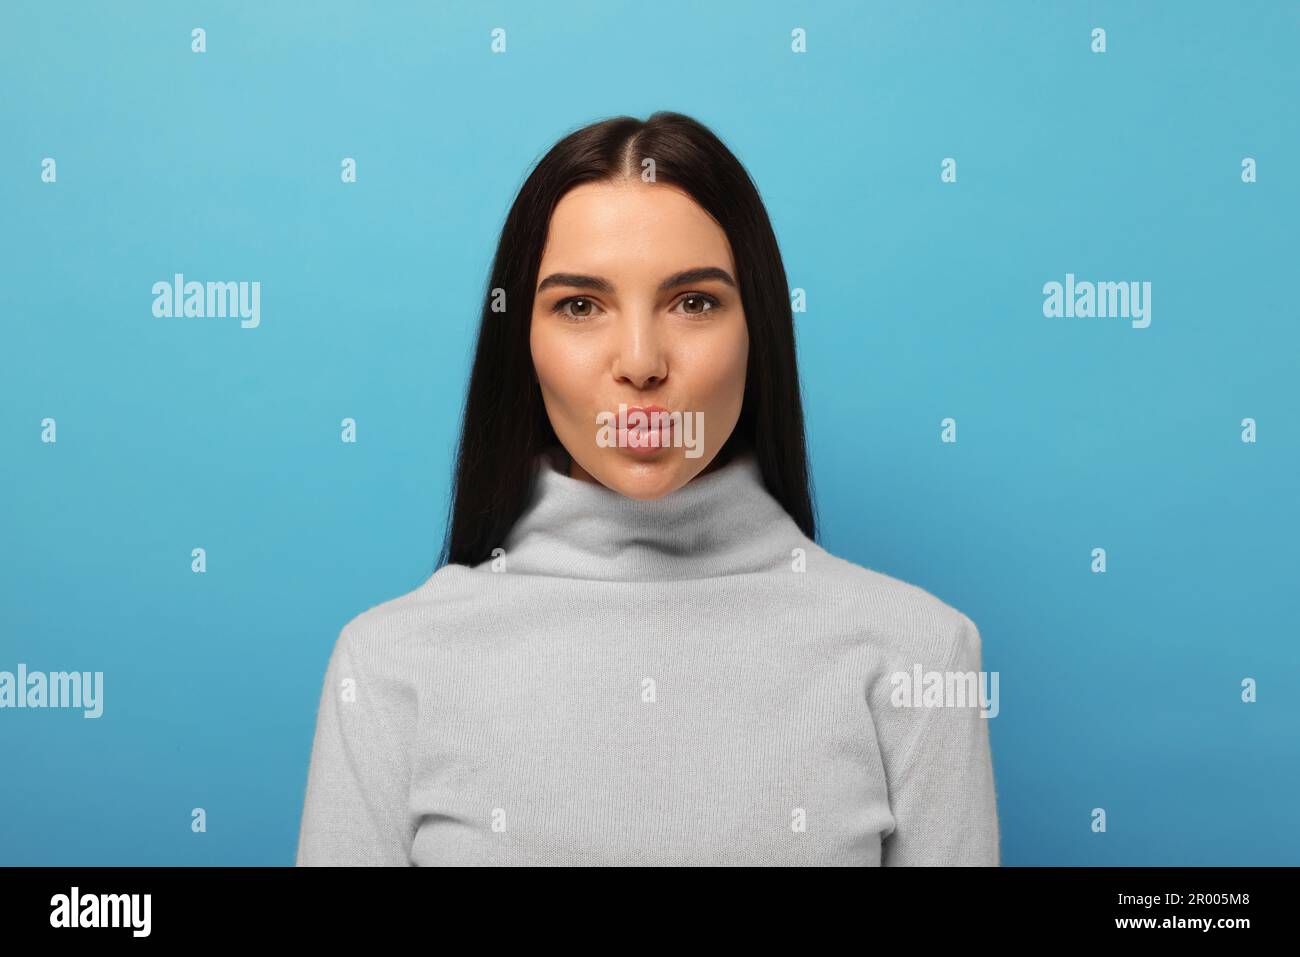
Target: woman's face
point(636, 307)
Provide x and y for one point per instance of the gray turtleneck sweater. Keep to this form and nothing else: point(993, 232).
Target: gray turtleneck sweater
point(684, 680)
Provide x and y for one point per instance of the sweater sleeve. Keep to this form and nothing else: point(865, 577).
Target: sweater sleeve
point(942, 797)
point(354, 813)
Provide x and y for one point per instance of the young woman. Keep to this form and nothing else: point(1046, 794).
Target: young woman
point(634, 651)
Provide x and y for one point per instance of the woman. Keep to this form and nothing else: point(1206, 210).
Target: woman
point(635, 652)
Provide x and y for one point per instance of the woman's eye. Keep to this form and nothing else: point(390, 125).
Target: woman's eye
point(575, 307)
point(697, 304)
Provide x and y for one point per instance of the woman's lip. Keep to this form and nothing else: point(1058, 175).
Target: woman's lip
point(649, 420)
point(647, 410)
point(642, 441)
point(644, 429)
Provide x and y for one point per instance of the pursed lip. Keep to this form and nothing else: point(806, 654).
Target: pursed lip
point(646, 436)
point(649, 411)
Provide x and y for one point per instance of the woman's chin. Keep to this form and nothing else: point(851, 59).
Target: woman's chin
point(646, 473)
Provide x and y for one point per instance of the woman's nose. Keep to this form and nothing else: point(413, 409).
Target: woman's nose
point(641, 357)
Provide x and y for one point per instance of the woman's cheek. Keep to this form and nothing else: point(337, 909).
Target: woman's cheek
point(721, 375)
point(566, 391)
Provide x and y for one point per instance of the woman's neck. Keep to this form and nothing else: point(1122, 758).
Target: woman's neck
point(722, 522)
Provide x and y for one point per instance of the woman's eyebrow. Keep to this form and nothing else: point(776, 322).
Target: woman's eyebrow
point(700, 274)
point(683, 278)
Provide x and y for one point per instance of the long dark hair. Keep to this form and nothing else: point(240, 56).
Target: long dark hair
point(505, 423)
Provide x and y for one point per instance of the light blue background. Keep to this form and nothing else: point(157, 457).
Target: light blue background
point(1119, 690)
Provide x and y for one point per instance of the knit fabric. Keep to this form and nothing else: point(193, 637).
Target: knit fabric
point(687, 680)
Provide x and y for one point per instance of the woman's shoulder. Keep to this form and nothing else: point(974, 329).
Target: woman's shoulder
point(890, 610)
point(435, 608)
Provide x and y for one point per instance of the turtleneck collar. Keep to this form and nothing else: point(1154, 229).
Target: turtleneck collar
point(723, 522)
